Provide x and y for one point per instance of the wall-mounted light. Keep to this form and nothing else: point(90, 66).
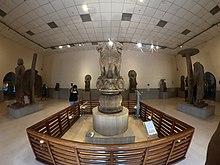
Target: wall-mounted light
point(139, 45)
point(60, 46)
point(68, 46)
point(110, 43)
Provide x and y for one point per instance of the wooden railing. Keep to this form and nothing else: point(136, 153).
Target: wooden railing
point(49, 147)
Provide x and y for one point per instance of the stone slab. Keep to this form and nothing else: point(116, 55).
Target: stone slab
point(26, 110)
point(96, 138)
point(202, 113)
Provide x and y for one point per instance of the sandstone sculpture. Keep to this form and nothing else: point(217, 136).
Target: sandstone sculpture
point(132, 81)
point(87, 82)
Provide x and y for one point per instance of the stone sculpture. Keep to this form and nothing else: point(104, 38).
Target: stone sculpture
point(110, 117)
point(110, 83)
point(195, 83)
point(163, 87)
point(87, 82)
point(198, 84)
point(110, 63)
point(182, 83)
point(188, 53)
point(19, 75)
point(132, 81)
point(212, 157)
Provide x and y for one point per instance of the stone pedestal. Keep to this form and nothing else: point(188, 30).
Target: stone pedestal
point(132, 96)
point(95, 138)
point(181, 93)
point(28, 109)
point(110, 124)
point(201, 113)
point(163, 95)
point(86, 95)
point(1, 95)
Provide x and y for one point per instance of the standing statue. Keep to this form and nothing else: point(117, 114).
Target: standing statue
point(182, 83)
point(132, 81)
point(19, 75)
point(87, 82)
point(198, 85)
point(163, 86)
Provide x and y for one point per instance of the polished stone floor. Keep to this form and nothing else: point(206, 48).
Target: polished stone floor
point(15, 148)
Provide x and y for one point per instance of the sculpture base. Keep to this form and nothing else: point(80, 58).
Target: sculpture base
point(27, 109)
point(110, 124)
point(163, 95)
point(96, 138)
point(201, 113)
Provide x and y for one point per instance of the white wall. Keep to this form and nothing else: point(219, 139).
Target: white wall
point(10, 52)
point(209, 57)
point(65, 68)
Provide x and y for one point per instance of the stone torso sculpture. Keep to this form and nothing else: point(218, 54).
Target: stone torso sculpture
point(132, 81)
point(19, 75)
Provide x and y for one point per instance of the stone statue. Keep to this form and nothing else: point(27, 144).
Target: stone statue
point(198, 84)
point(110, 63)
point(212, 157)
point(132, 81)
point(110, 83)
point(19, 75)
point(87, 82)
point(182, 83)
point(163, 87)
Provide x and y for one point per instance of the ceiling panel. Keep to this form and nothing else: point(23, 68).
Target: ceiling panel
point(107, 22)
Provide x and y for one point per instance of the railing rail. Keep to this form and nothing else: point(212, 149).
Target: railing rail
point(45, 139)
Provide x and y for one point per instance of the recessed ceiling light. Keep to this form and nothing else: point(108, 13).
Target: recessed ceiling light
point(85, 8)
point(139, 45)
point(141, 0)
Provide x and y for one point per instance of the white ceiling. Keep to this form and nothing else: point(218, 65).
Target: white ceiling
point(33, 15)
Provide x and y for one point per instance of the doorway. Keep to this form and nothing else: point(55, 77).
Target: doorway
point(9, 85)
point(210, 86)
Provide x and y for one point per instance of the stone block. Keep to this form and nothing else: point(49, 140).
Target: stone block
point(163, 95)
point(96, 138)
point(202, 113)
point(26, 110)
